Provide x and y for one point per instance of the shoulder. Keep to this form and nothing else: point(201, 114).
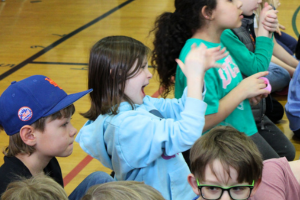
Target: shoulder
point(11, 170)
point(228, 33)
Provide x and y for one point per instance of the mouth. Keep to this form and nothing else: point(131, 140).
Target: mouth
point(143, 89)
point(241, 15)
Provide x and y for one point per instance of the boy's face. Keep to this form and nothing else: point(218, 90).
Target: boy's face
point(217, 177)
point(56, 139)
point(249, 6)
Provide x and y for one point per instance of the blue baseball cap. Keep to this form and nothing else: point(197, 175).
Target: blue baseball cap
point(30, 99)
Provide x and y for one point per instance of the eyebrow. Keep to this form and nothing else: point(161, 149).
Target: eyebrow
point(210, 182)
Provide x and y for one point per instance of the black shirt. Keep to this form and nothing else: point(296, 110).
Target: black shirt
point(13, 168)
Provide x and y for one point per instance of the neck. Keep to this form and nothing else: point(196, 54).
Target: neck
point(34, 162)
point(209, 33)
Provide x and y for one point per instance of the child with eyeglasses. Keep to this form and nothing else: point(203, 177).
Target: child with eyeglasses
point(226, 165)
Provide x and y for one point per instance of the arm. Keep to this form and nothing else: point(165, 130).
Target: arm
point(170, 108)
point(290, 69)
point(249, 63)
point(148, 138)
point(249, 87)
point(284, 56)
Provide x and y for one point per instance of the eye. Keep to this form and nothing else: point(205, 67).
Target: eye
point(212, 188)
point(65, 124)
point(239, 188)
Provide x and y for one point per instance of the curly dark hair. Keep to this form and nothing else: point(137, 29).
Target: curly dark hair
point(171, 32)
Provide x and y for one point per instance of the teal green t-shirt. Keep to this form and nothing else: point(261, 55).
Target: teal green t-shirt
point(219, 82)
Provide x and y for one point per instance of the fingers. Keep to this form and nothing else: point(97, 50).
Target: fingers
point(260, 74)
point(281, 27)
point(180, 63)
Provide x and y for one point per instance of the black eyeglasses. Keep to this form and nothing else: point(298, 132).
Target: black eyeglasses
point(214, 192)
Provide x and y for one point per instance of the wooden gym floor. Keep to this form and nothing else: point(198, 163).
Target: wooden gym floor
point(53, 38)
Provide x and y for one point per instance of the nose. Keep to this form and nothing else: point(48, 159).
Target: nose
point(149, 75)
point(225, 196)
point(239, 4)
point(73, 131)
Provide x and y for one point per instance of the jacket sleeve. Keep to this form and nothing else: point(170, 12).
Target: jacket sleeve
point(249, 62)
point(142, 139)
point(171, 108)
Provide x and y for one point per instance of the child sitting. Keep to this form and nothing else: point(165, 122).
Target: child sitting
point(225, 164)
point(39, 187)
point(125, 190)
point(293, 103)
point(139, 137)
point(36, 114)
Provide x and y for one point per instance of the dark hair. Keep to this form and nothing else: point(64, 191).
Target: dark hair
point(111, 60)
point(16, 144)
point(171, 32)
point(232, 148)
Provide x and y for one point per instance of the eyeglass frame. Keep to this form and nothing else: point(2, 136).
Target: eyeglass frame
point(226, 189)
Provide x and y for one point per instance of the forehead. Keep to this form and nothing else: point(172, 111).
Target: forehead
point(216, 174)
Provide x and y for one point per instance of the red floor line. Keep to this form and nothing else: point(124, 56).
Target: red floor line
point(77, 169)
point(69, 177)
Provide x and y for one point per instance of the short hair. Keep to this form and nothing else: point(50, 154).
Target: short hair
point(16, 144)
point(125, 190)
point(232, 148)
point(39, 187)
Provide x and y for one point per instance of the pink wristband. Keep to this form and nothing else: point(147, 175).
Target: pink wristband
point(269, 88)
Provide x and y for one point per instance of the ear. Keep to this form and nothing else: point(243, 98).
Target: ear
point(207, 14)
point(256, 185)
point(27, 135)
point(193, 183)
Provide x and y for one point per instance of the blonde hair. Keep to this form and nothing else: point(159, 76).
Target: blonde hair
point(125, 190)
point(274, 3)
point(39, 187)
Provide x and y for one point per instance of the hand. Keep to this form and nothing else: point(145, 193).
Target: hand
point(268, 18)
point(252, 86)
point(278, 29)
point(255, 100)
point(200, 59)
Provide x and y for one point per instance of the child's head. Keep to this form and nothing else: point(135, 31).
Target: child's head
point(172, 30)
point(125, 190)
point(118, 71)
point(249, 6)
point(40, 187)
point(225, 157)
point(34, 113)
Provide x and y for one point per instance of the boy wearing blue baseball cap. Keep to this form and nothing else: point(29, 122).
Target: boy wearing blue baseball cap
point(35, 113)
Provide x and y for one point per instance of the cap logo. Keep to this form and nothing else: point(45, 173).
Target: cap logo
point(52, 82)
point(25, 113)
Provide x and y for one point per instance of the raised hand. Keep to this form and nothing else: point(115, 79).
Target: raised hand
point(201, 59)
point(268, 18)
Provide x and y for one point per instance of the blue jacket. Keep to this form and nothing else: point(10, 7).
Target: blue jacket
point(140, 146)
point(292, 107)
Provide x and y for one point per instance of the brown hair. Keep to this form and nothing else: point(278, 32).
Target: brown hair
point(39, 187)
point(111, 60)
point(125, 190)
point(16, 144)
point(232, 148)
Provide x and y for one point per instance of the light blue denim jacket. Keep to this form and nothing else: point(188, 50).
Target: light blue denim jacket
point(140, 146)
